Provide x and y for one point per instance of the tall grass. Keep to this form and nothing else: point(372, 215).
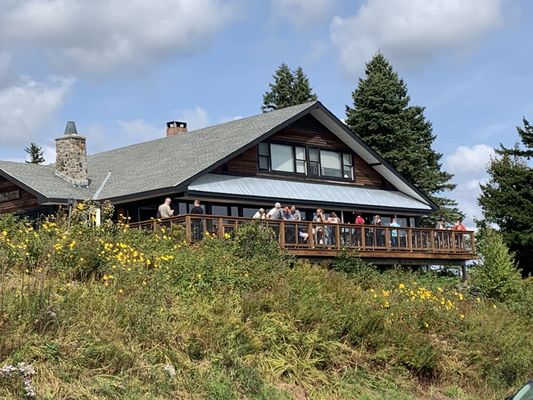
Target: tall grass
point(112, 313)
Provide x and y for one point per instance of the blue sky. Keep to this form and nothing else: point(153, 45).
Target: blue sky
point(122, 68)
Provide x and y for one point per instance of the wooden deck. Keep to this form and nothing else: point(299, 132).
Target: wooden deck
point(379, 244)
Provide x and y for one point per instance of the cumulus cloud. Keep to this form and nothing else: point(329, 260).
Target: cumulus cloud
point(195, 118)
point(138, 130)
point(303, 13)
point(410, 31)
point(27, 106)
point(469, 165)
point(101, 36)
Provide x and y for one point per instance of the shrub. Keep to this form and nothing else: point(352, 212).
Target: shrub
point(496, 275)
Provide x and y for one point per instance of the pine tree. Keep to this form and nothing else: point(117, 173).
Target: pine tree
point(384, 119)
point(496, 275)
point(507, 198)
point(35, 153)
point(289, 89)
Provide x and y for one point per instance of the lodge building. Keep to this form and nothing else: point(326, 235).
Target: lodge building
point(301, 155)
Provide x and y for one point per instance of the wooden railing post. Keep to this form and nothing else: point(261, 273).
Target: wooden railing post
point(387, 238)
point(410, 239)
point(363, 238)
point(311, 235)
point(282, 234)
point(454, 244)
point(188, 228)
point(473, 242)
point(338, 236)
point(220, 228)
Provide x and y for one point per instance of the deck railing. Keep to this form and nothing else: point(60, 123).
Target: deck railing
point(304, 237)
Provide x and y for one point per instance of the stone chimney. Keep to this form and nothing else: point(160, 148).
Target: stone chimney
point(71, 157)
point(176, 128)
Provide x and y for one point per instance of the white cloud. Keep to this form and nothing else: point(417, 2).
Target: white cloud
point(469, 165)
point(27, 106)
point(469, 160)
point(196, 118)
point(410, 31)
point(102, 36)
point(304, 13)
point(228, 119)
point(138, 130)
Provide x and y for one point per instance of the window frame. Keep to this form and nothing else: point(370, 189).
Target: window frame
point(307, 162)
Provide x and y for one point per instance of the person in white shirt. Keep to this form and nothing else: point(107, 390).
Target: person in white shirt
point(164, 210)
point(275, 213)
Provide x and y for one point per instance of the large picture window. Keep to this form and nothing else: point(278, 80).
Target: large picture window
point(302, 160)
point(282, 158)
point(330, 163)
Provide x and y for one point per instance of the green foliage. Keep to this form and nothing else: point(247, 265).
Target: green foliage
point(290, 88)
point(35, 153)
point(399, 132)
point(113, 312)
point(496, 275)
point(256, 240)
point(507, 198)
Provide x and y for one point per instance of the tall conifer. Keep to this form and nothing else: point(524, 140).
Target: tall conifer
point(289, 89)
point(507, 198)
point(382, 116)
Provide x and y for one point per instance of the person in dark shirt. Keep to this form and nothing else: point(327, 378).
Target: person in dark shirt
point(197, 226)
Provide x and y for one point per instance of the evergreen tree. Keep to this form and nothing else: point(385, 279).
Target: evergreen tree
point(496, 275)
point(399, 132)
point(507, 198)
point(289, 89)
point(35, 153)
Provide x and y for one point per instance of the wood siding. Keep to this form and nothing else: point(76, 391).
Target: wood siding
point(310, 132)
point(26, 202)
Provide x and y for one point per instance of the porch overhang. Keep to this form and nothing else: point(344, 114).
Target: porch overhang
point(317, 194)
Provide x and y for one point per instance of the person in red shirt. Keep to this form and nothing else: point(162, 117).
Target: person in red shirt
point(459, 227)
point(358, 231)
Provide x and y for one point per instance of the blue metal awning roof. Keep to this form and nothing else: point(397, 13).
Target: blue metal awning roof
point(320, 193)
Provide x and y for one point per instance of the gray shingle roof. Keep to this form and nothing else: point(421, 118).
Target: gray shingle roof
point(155, 165)
point(41, 181)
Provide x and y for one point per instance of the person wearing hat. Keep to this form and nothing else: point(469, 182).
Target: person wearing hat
point(260, 214)
point(275, 213)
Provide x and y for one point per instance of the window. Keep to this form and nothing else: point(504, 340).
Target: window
point(310, 161)
point(330, 163)
point(301, 167)
point(264, 156)
point(347, 166)
point(314, 162)
point(281, 158)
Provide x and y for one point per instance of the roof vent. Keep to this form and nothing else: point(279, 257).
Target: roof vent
point(176, 128)
point(70, 129)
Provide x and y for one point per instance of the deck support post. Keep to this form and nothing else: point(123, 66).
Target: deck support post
point(282, 234)
point(188, 229)
point(220, 230)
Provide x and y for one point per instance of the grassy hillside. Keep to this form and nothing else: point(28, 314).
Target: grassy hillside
point(112, 313)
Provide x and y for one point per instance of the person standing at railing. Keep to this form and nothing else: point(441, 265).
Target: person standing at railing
point(297, 216)
point(286, 215)
point(394, 232)
point(318, 230)
point(359, 222)
point(333, 229)
point(441, 224)
point(197, 227)
point(376, 234)
point(164, 210)
point(459, 228)
point(261, 214)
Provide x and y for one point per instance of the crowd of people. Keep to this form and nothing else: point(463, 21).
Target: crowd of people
point(325, 232)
